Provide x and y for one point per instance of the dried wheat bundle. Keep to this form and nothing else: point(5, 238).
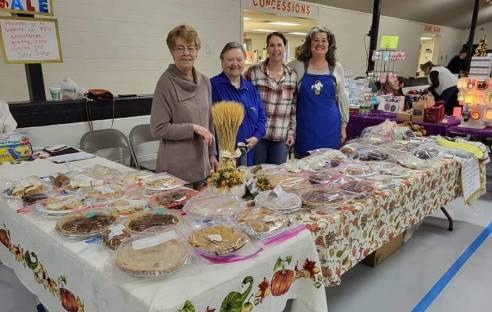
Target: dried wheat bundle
point(228, 117)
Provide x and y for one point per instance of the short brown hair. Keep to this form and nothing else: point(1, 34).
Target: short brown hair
point(186, 32)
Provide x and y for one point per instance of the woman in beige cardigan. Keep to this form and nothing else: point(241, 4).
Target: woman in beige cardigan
point(181, 112)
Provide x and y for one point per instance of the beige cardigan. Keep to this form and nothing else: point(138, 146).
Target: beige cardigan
point(339, 74)
point(178, 104)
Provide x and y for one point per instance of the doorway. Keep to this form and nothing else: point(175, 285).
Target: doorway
point(429, 50)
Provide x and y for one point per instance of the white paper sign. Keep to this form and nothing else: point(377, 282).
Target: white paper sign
point(154, 240)
point(470, 177)
point(30, 40)
point(390, 103)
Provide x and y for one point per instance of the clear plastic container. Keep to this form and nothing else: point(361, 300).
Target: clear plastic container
point(151, 220)
point(219, 239)
point(261, 222)
point(209, 205)
point(153, 255)
point(280, 200)
point(83, 225)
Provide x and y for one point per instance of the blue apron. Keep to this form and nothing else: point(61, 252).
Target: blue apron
point(318, 116)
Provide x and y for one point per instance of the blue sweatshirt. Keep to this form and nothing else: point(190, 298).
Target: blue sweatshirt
point(254, 122)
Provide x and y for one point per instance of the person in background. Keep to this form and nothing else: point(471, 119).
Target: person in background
point(392, 86)
point(443, 85)
point(7, 121)
point(322, 108)
point(277, 84)
point(458, 64)
point(230, 85)
point(181, 116)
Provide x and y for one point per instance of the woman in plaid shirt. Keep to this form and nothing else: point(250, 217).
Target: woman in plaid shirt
point(277, 85)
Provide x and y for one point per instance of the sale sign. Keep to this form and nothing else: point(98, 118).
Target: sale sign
point(44, 7)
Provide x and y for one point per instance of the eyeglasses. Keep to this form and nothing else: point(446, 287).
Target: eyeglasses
point(183, 49)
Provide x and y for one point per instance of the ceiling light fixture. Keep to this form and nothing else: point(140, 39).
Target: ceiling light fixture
point(262, 30)
point(428, 38)
point(296, 33)
point(284, 24)
point(246, 18)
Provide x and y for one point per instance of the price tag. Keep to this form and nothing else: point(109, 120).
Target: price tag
point(215, 237)
point(154, 240)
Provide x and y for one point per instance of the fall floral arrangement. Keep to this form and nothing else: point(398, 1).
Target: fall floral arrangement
point(226, 178)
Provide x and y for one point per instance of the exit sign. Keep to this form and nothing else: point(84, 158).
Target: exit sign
point(432, 29)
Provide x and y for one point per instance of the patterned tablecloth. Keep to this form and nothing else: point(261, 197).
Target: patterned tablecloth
point(75, 276)
point(357, 123)
point(349, 234)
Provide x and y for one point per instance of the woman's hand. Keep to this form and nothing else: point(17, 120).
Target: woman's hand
point(251, 142)
point(343, 134)
point(214, 164)
point(290, 141)
point(204, 133)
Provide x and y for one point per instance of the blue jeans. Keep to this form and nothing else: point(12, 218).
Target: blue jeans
point(271, 152)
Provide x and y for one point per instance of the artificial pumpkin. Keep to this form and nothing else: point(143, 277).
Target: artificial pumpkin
point(68, 300)
point(5, 238)
point(281, 282)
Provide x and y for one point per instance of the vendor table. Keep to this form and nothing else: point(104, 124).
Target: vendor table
point(357, 123)
point(80, 276)
point(482, 135)
point(346, 236)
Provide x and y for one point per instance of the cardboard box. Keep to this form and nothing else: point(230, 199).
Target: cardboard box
point(403, 117)
point(385, 251)
point(14, 146)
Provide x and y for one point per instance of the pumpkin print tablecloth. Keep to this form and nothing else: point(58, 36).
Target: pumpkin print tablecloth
point(79, 276)
point(355, 230)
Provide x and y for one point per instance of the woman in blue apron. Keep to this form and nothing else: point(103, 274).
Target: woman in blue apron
point(322, 109)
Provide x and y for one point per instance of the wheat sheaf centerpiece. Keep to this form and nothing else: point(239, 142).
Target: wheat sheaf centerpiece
point(227, 117)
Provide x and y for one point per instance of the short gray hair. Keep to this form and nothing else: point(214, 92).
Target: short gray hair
point(232, 45)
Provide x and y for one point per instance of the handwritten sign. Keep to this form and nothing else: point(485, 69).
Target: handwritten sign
point(282, 7)
point(27, 40)
point(389, 42)
point(44, 7)
point(470, 178)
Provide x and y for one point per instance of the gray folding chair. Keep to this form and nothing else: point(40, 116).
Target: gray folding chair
point(110, 144)
point(144, 147)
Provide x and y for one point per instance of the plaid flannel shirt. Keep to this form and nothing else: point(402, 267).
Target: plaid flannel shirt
point(279, 98)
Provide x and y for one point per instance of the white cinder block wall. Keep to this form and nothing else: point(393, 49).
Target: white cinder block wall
point(119, 45)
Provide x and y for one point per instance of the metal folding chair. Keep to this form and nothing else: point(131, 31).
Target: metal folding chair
point(143, 144)
point(110, 144)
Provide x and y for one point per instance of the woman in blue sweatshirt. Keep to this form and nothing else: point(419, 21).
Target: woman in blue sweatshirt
point(230, 85)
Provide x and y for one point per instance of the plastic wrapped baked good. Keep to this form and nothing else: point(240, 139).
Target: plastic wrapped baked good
point(128, 205)
point(260, 222)
point(103, 194)
point(162, 182)
point(358, 170)
point(152, 219)
point(209, 205)
point(323, 197)
point(59, 205)
point(136, 177)
point(27, 186)
point(115, 235)
point(395, 170)
point(152, 255)
point(220, 239)
point(359, 189)
point(278, 199)
point(172, 199)
point(324, 176)
point(84, 224)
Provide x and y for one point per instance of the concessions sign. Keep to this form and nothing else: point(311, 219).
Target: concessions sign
point(282, 7)
point(43, 7)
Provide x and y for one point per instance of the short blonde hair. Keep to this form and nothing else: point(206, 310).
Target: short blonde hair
point(187, 33)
